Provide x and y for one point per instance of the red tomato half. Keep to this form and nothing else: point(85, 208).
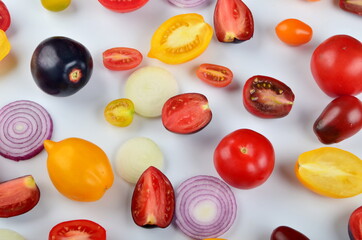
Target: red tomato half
point(244, 159)
point(123, 6)
point(214, 75)
point(77, 229)
point(5, 19)
point(355, 224)
point(121, 58)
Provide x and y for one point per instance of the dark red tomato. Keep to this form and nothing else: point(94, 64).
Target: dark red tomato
point(355, 224)
point(287, 233)
point(336, 66)
point(153, 200)
point(123, 6)
point(77, 229)
point(351, 6)
point(186, 113)
point(214, 75)
point(5, 19)
point(233, 21)
point(244, 159)
point(341, 119)
point(267, 97)
point(121, 58)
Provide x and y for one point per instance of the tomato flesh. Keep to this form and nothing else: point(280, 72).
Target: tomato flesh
point(119, 112)
point(121, 58)
point(5, 19)
point(287, 233)
point(123, 6)
point(214, 75)
point(351, 6)
point(355, 224)
point(294, 32)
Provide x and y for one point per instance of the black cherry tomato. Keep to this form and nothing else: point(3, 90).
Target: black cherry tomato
point(5, 19)
point(214, 75)
point(287, 233)
point(121, 58)
point(355, 224)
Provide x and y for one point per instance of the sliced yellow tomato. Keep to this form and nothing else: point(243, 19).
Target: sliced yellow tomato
point(4, 45)
point(119, 112)
point(181, 39)
point(331, 172)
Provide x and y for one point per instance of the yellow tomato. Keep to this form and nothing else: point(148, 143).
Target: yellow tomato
point(119, 112)
point(55, 5)
point(4, 45)
point(79, 169)
point(181, 39)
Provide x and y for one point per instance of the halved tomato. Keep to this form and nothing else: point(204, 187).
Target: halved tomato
point(123, 6)
point(77, 229)
point(121, 58)
point(214, 75)
point(355, 224)
point(5, 19)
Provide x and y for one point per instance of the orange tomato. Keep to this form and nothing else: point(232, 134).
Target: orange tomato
point(79, 169)
point(294, 32)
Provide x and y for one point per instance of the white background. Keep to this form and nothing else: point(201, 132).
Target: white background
point(282, 200)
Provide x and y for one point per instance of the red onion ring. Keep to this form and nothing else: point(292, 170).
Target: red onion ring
point(212, 193)
point(24, 125)
point(187, 3)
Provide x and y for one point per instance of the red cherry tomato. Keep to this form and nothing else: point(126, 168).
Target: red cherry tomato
point(214, 75)
point(121, 58)
point(244, 159)
point(77, 229)
point(123, 6)
point(287, 233)
point(336, 66)
point(5, 19)
point(267, 97)
point(355, 224)
point(294, 32)
point(153, 200)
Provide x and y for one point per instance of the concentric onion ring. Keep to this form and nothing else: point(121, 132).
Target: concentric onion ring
point(24, 125)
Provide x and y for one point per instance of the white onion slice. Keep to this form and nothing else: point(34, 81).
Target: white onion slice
point(205, 207)
point(24, 125)
point(187, 3)
point(10, 235)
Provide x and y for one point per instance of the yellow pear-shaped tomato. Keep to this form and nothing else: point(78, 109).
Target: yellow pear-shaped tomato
point(79, 169)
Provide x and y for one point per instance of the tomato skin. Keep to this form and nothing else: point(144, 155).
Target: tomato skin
point(214, 75)
point(294, 32)
point(123, 6)
point(80, 228)
point(5, 19)
point(355, 224)
point(351, 6)
point(55, 5)
point(336, 66)
point(244, 159)
point(341, 119)
point(121, 58)
point(287, 233)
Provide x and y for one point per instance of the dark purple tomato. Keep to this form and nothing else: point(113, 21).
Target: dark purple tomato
point(287, 233)
point(341, 119)
point(61, 66)
point(355, 224)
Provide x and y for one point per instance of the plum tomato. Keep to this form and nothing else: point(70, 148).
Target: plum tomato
point(244, 159)
point(119, 112)
point(153, 200)
point(233, 21)
point(287, 233)
point(121, 58)
point(351, 6)
point(336, 66)
point(355, 224)
point(214, 75)
point(77, 229)
point(5, 19)
point(55, 5)
point(267, 97)
point(123, 6)
point(341, 119)
point(186, 113)
point(294, 32)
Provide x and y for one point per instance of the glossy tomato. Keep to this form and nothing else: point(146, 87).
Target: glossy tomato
point(267, 97)
point(336, 66)
point(287, 233)
point(153, 200)
point(214, 75)
point(244, 159)
point(355, 224)
point(123, 6)
point(233, 21)
point(121, 58)
point(294, 32)
point(5, 18)
point(341, 119)
point(77, 229)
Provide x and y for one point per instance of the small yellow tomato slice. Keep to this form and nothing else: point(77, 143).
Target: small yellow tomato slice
point(181, 39)
point(55, 5)
point(119, 112)
point(4, 45)
point(331, 172)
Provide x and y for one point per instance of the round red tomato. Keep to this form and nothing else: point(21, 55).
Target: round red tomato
point(123, 6)
point(336, 66)
point(77, 229)
point(355, 224)
point(121, 58)
point(214, 75)
point(244, 159)
point(5, 19)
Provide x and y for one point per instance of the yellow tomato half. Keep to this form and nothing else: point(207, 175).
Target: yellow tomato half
point(55, 5)
point(79, 169)
point(181, 39)
point(4, 45)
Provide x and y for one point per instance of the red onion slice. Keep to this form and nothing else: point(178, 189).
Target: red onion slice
point(205, 207)
point(187, 3)
point(24, 125)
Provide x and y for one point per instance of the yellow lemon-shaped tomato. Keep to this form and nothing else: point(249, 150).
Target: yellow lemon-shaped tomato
point(79, 169)
point(55, 5)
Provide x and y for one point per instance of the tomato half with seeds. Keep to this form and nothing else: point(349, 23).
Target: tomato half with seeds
point(121, 58)
point(5, 18)
point(267, 97)
point(77, 229)
point(123, 6)
point(355, 224)
point(214, 75)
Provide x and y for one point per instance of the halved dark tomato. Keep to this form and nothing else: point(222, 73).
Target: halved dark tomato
point(355, 224)
point(77, 229)
point(233, 21)
point(153, 200)
point(214, 75)
point(121, 58)
point(5, 19)
point(287, 233)
point(123, 6)
point(267, 97)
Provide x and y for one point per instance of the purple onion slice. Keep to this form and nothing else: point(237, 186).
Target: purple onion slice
point(205, 207)
point(24, 125)
point(187, 3)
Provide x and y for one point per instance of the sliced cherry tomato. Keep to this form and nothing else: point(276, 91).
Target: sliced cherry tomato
point(77, 229)
point(5, 45)
point(355, 224)
point(121, 58)
point(153, 200)
point(233, 21)
point(123, 6)
point(267, 97)
point(214, 75)
point(294, 32)
point(351, 6)
point(181, 39)
point(287, 233)
point(5, 18)
point(119, 112)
